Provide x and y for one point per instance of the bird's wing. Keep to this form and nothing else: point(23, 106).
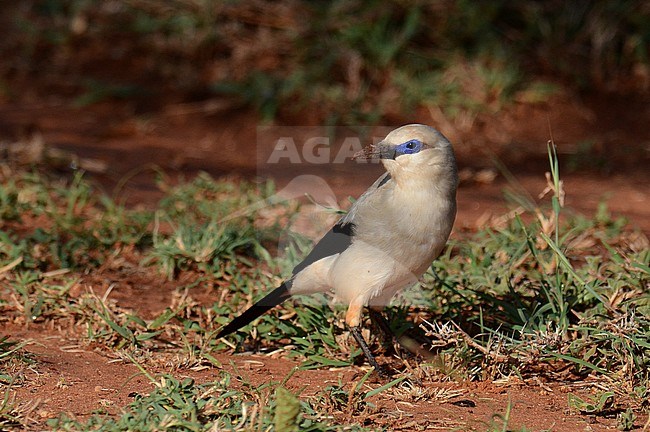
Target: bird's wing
point(340, 237)
point(335, 241)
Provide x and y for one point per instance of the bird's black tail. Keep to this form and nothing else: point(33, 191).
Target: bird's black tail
point(274, 298)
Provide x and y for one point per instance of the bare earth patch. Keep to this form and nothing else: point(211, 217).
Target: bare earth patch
point(67, 376)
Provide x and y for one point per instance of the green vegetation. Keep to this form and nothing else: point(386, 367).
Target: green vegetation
point(220, 405)
point(540, 293)
point(347, 62)
point(11, 359)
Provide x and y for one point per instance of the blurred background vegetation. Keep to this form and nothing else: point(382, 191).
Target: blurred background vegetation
point(333, 62)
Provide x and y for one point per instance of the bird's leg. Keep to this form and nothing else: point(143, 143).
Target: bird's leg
point(356, 332)
point(408, 343)
point(353, 320)
point(378, 319)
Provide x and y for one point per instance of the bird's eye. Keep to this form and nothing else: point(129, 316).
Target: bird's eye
point(412, 146)
point(409, 147)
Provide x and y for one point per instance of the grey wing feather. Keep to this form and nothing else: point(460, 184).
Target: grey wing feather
point(350, 216)
point(335, 241)
point(340, 237)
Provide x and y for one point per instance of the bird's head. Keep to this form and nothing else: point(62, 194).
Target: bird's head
point(415, 150)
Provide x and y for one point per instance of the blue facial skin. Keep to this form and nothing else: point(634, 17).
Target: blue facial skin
point(409, 147)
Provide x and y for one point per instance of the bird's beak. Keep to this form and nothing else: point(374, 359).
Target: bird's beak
point(381, 150)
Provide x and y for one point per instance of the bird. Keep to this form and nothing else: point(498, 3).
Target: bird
point(389, 237)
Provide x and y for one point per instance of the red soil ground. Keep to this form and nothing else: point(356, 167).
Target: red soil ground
point(604, 145)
